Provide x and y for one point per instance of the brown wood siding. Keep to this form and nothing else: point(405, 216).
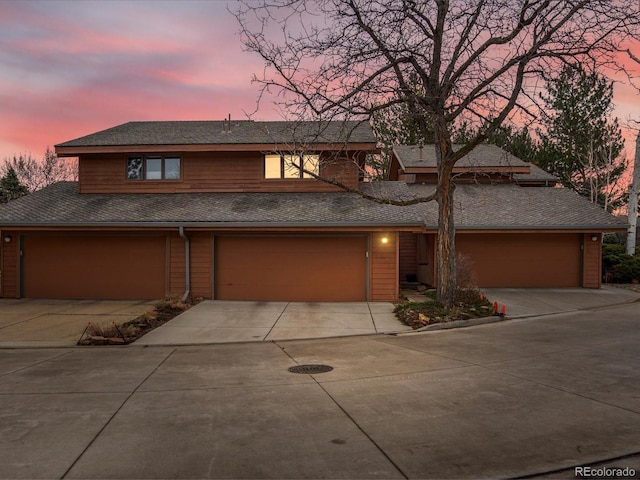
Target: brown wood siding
point(208, 172)
point(384, 284)
point(177, 284)
point(528, 260)
point(407, 251)
point(10, 264)
point(592, 261)
point(427, 259)
point(201, 264)
point(291, 268)
point(200, 259)
point(94, 266)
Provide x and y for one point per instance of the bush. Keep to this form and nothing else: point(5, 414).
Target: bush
point(614, 238)
point(618, 266)
point(465, 274)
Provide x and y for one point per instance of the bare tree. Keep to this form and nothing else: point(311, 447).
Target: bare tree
point(36, 174)
point(446, 61)
point(632, 208)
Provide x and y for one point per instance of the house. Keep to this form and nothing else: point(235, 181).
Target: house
point(513, 223)
point(211, 209)
point(236, 210)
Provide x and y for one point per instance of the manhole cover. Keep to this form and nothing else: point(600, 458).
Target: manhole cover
point(310, 369)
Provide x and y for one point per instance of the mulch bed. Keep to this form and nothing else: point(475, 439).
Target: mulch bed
point(132, 330)
point(420, 314)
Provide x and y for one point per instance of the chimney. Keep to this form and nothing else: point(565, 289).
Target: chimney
point(421, 147)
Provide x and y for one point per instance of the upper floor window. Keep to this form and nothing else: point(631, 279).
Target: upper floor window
point(153, 168)
point(291, 166)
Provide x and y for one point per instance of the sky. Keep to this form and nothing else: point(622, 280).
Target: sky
point(70, 68)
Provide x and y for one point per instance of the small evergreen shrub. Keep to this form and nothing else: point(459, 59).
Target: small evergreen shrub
point(618, 266)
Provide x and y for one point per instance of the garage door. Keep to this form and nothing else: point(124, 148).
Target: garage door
point(312, 269)
point(523, 260)
point(87, 266)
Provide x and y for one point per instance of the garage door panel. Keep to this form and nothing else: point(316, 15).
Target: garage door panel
point(291, 268)
point(523, 260)
point(100, 267)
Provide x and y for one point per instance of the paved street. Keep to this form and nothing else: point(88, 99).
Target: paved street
point(524, 397)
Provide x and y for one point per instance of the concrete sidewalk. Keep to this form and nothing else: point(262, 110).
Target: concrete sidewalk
point(509, 399)
point(528, 302)
point(217, 321)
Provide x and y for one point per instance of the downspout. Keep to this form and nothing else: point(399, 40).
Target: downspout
point(187, 264)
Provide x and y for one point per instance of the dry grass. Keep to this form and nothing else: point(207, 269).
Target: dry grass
point(97, 334)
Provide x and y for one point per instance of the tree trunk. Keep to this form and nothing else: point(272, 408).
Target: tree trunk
point(634, 190)
point(446, 251)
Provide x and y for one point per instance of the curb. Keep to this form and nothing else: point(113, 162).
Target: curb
point(455, 324)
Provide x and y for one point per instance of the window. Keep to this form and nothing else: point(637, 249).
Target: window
point(153, 168)
point(291, 166)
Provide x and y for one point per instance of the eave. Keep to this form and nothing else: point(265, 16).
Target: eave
point(249, 227)
point(536, 229)
point(434, 170)
point(74, 151)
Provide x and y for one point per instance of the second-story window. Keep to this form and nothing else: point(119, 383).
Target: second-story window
point(291, 166)
point(153, 167)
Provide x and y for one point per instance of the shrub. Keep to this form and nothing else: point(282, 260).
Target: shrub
point(617, 266)
point(614, 238)
point(465, 274)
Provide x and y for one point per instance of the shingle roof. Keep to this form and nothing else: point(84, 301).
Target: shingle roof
point(484, 155)
point(536, 174)
point(60, 204)
point(500, 206)
point(505, 206)
point(243, 132)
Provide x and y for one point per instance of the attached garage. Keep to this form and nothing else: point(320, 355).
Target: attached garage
point(524, 260)
point(291, 268)
point(94, 266)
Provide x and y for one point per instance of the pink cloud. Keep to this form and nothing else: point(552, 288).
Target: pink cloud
point(69, 68)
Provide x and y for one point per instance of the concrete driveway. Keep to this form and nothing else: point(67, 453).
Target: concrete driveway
point(528, 302)
point(509, 399)
point(216, 321)
point(36, 322)
point(41, 322)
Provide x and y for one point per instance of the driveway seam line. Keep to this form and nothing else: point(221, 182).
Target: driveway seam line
point(375, 328)
point(488, 367)
point(427, 353)
point(37, 363)
point(560, 390)
point(351, 419)
point(108, 422)
point(276, 322)
point(375, 444)
point(566, 349)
